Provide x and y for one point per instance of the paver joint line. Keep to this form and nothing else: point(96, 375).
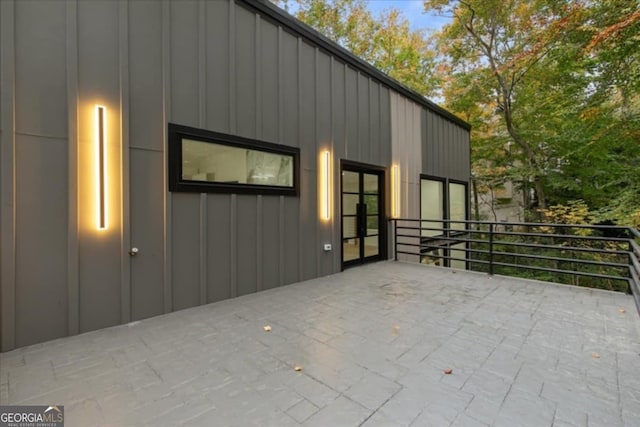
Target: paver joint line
point(373, 343)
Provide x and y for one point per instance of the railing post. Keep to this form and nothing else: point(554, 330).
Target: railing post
point(395, 239)
point(491, 249)
point(630, 260)
point(446, 260)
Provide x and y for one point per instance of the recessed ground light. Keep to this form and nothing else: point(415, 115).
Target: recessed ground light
point(297, 368)
point(267, 328)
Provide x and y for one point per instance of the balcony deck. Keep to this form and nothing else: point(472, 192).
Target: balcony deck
point(372, 343)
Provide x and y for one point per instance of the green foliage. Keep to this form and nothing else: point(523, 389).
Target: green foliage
point(550, 87)
point(564, 254)
point(574, 212)
point(385, 41)
point(563, 77)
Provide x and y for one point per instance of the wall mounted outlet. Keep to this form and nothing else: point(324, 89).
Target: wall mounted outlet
point(327, 247)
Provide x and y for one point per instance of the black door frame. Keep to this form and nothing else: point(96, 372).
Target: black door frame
point(381, 172)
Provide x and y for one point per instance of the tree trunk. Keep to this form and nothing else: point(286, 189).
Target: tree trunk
point(542, 203)
point(476, 206)
point(505, 94)
point(493, 204)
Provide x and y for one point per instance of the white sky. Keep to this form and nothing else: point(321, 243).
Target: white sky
point(412, 10)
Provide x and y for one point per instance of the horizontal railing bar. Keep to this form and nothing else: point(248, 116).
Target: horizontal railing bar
point(525, 245)
point(563, 236)
point(451, 233)
point(579, 261)
point(479, 261)
point(635, 275)
point(408, 253)
point(514, 233)
point(557, 247)
point(554, 270)
point(442, 235)
point(524, 224)
point(524, 255)
point(540, 257)
point(528, 245)
point(544, 235)
point(634, 263)
point(415, 245)
point(634, 289)
point(467, 250)
point(420, 228)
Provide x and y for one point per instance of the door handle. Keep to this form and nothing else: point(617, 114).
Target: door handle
point(362, 216)
point(133, 251)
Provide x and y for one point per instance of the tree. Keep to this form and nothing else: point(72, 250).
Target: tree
point(499, 45)
point(594, 108)
point(385, 41)
point(550, 87)
point(563, 77)
point(612, 110)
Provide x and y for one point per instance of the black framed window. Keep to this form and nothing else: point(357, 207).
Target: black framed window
point(458, 201)
point(432, 204)
point(443, 202)
point(211, 162)
point(444, 199)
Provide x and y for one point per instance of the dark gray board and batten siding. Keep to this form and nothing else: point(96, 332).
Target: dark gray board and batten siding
point(224, 66)
point(446, 148)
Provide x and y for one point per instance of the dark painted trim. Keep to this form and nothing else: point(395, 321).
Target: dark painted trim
point(177, 184)
point(445, 193)
point(167, 238)
point(360, 166)
point(73, 241)
point(458, 181)
point(445, 208)
point(8, 337)
point(283, 18)
point(466, 195)
point(446, 211)
point(353, 166)
point(126, 307)
point(467, 208)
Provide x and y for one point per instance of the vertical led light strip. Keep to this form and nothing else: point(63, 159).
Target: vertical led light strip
point(395, 190)
point(326, 186)
point(101, 166)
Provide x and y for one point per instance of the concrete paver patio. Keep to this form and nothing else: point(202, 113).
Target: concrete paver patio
point(372, 343)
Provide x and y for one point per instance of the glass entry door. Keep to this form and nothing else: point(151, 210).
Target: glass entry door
point(362, 215)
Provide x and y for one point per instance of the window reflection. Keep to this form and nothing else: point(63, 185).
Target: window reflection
point(210, 162)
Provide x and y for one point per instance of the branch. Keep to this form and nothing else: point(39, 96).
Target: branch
point(505, 89)
point(471, 30)
point(613, 30)
point(527, 68)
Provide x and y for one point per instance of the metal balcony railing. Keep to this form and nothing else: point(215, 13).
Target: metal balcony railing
point(597, 256)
